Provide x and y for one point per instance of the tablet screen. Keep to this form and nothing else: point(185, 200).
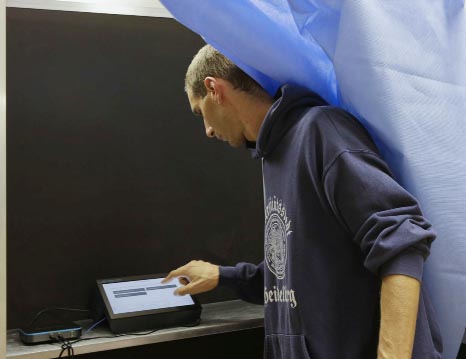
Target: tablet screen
point(146, 294)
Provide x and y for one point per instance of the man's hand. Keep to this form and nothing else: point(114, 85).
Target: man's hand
point(399, 305)
point(196, 276)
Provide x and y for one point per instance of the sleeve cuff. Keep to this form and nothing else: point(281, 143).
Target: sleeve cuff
point(410, 262)
point(228, 276)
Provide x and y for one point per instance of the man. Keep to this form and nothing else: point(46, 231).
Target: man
point(344, 243)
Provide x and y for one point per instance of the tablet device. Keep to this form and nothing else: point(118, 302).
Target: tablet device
point(143, 302)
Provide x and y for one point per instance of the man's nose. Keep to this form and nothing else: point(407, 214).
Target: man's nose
point(209, 131)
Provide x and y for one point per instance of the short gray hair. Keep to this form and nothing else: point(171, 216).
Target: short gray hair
point(209, 62)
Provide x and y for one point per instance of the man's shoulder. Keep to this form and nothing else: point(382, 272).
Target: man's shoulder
point(335, 126)
point(329, 119)
point(327, 114)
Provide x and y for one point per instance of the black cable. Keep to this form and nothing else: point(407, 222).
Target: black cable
point(57, 309)
point(68, 345)
point(102, 337)
point(141, 334)
point(116, 336)
point(65, 345)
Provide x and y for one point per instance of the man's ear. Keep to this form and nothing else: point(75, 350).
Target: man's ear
point(214, 87)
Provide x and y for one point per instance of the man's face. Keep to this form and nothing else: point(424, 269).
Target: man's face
point(219, 120)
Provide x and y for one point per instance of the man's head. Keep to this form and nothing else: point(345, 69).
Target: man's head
point(209, 62)
point(232, 104)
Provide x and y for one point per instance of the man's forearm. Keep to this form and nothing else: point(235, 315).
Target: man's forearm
point(399, 305)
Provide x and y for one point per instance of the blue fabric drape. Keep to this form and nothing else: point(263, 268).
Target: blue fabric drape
point(400, 67)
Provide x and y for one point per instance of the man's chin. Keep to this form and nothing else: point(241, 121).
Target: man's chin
point(236, 144)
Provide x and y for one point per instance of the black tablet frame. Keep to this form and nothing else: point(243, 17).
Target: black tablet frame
point(112, 315)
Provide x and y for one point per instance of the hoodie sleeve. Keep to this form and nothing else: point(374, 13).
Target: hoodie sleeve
point(384, 220)
point(246, 279)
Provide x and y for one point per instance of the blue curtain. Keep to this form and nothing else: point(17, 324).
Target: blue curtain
point(400, 67)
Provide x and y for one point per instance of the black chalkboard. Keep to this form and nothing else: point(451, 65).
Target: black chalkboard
point(108, 172)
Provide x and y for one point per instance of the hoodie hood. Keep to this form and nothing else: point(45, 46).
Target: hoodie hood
point(291, 102)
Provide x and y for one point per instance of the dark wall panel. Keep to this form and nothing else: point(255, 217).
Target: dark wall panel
point(109, 174)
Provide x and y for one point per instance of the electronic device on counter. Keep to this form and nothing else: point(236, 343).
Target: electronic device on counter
point(51, 333)
point(139, 303)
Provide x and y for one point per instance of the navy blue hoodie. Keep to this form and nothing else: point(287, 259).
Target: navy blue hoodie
point(336, 222)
